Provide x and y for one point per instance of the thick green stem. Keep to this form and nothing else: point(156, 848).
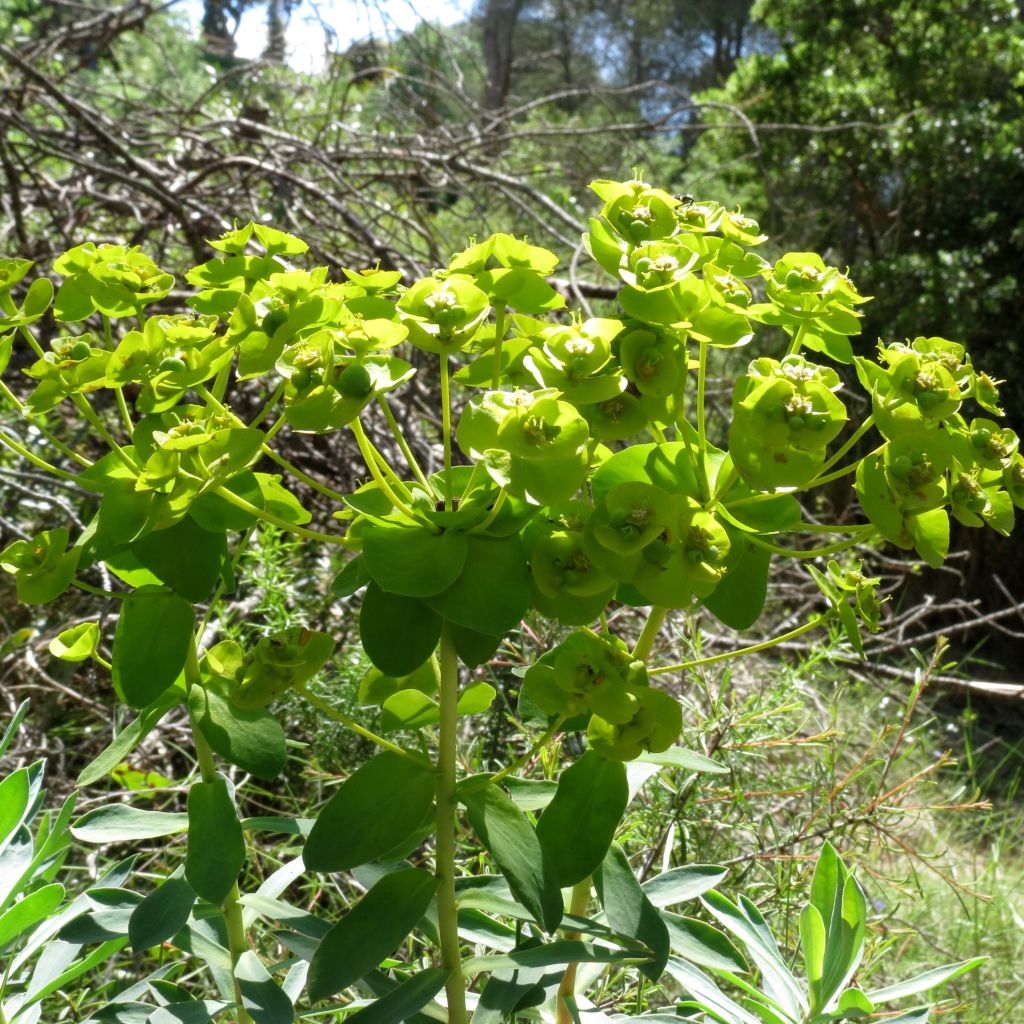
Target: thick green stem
point(702, 426)
point(499, 338)
point(578, 904)
point(446, 431)
point(238, 942)
point(447, 920)
point(645, 642)
point(282, 524)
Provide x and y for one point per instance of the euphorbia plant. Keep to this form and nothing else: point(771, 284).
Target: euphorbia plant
point(579, 472)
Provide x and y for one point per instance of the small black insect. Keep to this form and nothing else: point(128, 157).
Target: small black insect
point(683, 200)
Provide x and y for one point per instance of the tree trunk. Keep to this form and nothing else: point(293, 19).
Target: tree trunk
point(499, 23)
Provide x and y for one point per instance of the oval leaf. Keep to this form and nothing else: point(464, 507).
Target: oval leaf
point(412, 560)
point(577, 828)
point(151, 643)
point(398, 633)
point(251, 738)
point(216, 846)
point(376, 808)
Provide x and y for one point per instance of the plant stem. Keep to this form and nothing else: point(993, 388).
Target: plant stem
point(126, 416)
point(238, 942)
point(90, 589)
point(339, 716)
point(868, 423)
point(370, 458)
point(578, 903)
point(36, 461)
point(281, 524)
point(11, 397)
point(83, 406)
point(447, 922)
point(294, 471)
point(741, 651)
point(499, 338)
point(798, 339)
point(271, 402)
point(645, 642)
point(493, 514)
point(860, 537)
point(446, 430)
point(410, 458)
point(519, 762)
point(702, 426)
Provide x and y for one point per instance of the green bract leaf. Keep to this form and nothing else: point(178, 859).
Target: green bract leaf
point(398, 633)
point(186, 557)
point(77, 643)
point(43, 568)
point(413, 561)
point(473, 600)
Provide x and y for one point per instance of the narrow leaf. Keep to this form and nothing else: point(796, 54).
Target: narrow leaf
point(681, 884)
point(629, 911)
point(923, 982)
point(577, 828)
point(262, 997)
point(505, 831)
point(404, 1000)
point(117, 823)
point(161, 914)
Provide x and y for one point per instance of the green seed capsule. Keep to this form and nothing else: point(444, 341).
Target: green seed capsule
point(275, 319)
point(638, 231)
point(172, 364)
point(928, 400)
point(981, 437)
point(657, 553)
point(797, 422)
point(901, 466)
point(79, 351)
point(355, 381)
